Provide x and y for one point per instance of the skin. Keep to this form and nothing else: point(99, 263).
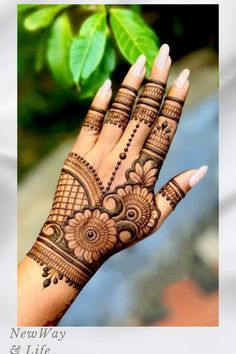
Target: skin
point(42, 307)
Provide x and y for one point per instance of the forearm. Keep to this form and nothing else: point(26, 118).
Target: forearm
point(45, 293)
point(37, 305)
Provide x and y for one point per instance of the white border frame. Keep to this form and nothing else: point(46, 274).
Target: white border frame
point(140, 340)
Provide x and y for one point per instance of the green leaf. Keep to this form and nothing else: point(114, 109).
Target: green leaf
point(103, 72)
point(135, 8)
point(42, 17)
point(88, 48)
point(59, 49)
point(41, 50)
point(24, 7)
point(133, 36)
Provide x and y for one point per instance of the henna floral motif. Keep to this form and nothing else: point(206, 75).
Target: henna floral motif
point(140, 208)
point(145, 175)
point(90, 234)
point(92, 225)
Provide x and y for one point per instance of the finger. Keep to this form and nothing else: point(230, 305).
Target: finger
point(148, 104)
point(93, 121)
point(175, 190)
point(161, 136)
point(120, 112)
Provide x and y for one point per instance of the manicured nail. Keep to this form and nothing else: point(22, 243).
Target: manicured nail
point(105, 88)
point(138, 66)
point(182, 78)
point(197, 176)
point(162, 57)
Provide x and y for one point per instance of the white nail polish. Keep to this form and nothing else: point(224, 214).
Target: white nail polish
point(104, 89)
point(197, 176)
point(138, 66)
point(162, 57)
point(182, 78)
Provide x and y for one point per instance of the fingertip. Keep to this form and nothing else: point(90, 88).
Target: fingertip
point(188, 179)
point(182, 79)
point(104, 89)
point(183, 179)
point(197, 176)
point(144, 72)
point(169, 61)
point(109, 95)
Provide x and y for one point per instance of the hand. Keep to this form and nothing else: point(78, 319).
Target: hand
point(105, 199)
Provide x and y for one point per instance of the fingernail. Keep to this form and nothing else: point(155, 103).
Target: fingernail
point(197, 176)
point(162, 57)
point(182, 78)
point(138, 66)
point(105, 88)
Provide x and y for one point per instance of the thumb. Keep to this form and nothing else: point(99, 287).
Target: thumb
point(175, 189)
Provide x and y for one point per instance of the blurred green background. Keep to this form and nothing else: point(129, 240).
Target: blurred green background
point(64, 54)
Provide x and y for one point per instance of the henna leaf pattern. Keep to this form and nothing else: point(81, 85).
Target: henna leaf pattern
point(145, 175)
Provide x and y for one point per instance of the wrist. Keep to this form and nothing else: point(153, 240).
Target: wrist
point(59, 261)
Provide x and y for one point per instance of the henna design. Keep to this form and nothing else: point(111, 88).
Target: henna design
point(125, 98)
point(88, 221)
point(149, 102)
point(144, 174)
point(154, 93)
point(144, 115)
point(89, 226)
point(130, 88)
point(158, 141)
point(151, 97)
point(175, 99)
point(117, 117)
point(93, 120)
point(122, 156)
point(90, 234)
point(172, 192)
point(121, 107)
point(171, 111)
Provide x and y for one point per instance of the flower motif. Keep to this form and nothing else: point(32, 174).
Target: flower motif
point(90, 234)
point(144, 174)
point(140, 208)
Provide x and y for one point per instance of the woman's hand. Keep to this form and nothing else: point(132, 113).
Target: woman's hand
point(105, 199)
